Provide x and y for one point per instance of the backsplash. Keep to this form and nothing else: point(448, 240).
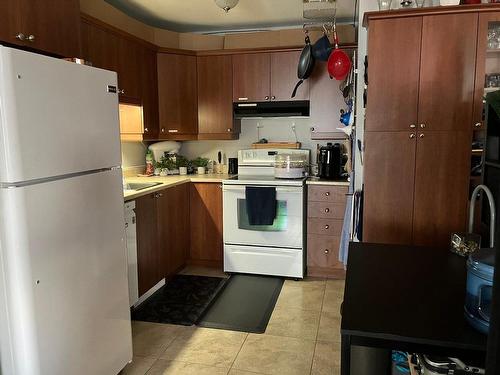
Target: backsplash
point(275, 129)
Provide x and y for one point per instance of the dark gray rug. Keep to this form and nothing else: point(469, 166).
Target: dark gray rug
point(181, 301)
point(244, 304)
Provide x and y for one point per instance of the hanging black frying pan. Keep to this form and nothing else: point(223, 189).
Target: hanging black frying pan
point(306, 65)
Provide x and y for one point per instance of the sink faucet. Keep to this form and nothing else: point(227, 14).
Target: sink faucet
point(472, 207)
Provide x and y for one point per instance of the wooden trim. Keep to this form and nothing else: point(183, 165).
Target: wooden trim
point(429, 11)
point(103, 25)
point(218, 136)
point(176, 51)
point(329, 273)
point(205, 263)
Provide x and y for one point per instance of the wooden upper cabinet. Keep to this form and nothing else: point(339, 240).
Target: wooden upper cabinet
point(441, 186)
point(99, 46)
point(389, 178)
point(130, 57)
point(447, 71)
point(284, 77)
point(393, 73)
point(252, 77)
point(149, 85)
point(11, 21)
point(205, 206)
point(215, 105)
point(177, 95)
point(54, 25)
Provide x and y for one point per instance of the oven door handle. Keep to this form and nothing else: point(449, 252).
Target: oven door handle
point(279, 189)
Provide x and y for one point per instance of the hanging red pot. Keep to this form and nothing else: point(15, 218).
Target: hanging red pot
point(339, 63)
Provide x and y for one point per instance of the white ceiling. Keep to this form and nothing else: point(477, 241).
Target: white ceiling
point(205, 16)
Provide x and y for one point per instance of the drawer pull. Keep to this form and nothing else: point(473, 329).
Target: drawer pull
point(327, 193)
point(327, 251)
point(327, 210)
point(327, 226)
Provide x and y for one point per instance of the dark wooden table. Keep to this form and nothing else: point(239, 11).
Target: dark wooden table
point(407, 298)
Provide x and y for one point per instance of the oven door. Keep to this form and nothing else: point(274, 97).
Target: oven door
point(287, 228)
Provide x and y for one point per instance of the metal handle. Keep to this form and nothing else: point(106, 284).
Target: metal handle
point(273, 97)
point(20, 36)
point(327, 251)
point(163, 130)
point(421, 135)
point(327, 226)
point(423, 126)
point(121, 91)
point(266, 97)
point(327, 193)
point(493, 211)
point(413, 126)
point(30, 38)
point(478, 124)
point(327, 210)
point(146, 130)
point(229, 130)
point(173, 130)
point(242, 98)
point(158, 195)
point(126, 225)
point(313, 129)
point(412, 135)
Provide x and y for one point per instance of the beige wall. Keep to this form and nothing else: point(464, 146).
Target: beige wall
point(169, 39)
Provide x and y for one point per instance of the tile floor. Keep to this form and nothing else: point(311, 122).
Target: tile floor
point(302, 337)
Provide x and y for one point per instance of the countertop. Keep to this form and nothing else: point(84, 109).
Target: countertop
point(169, 181)
point(319, 181)
point(408, 297)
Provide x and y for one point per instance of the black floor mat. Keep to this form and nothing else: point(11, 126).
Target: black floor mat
point(245, 304)
point(181, 301)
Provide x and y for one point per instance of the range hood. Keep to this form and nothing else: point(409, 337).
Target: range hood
point(271, 109)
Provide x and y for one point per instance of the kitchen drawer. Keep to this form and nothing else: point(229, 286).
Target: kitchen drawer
point(328, 227)
point(323, 251)
point(326, 210)
point(327, 193)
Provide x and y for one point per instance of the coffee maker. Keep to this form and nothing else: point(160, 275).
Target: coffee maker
point(331, 162)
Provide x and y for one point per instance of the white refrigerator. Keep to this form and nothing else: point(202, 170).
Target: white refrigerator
point(63, 267)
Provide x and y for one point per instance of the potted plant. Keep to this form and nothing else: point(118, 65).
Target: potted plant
point(165, 165)
point(200, 164)
point(183, 164)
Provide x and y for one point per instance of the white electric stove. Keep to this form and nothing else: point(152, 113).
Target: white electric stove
point(277, 249)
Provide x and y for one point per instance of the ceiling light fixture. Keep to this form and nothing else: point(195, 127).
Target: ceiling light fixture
point(226, 5)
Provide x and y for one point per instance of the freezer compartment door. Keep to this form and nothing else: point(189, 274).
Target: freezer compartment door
point(56, 117)
point(64, 277)
point(264, 261)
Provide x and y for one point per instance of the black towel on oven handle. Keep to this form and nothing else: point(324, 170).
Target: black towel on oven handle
point(261, 205)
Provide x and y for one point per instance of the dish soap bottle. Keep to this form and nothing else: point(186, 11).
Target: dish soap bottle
point(150, 169)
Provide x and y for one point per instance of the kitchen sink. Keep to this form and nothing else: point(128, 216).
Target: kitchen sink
point(141, 185)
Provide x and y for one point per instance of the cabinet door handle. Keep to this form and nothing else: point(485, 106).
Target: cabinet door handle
point(413, 126)
point(421, 135)
point(327, 226)
point(173, 130)
point(242, 98)
point(229, 130)
point(163, 130)
point(423, 126)
point(146, 130)
point(327, 193)
point(266, 97)
point(412, 135)
point(20, 36)
point(121, 91)
point(327, 210)
point(478, 124)
point(30, 38)
point(327, 251)
point(273, 97)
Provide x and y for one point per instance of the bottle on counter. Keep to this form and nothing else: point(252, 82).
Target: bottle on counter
point(150, 169)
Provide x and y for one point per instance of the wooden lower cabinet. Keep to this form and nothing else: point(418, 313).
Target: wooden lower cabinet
point(148, 255)
point(205, 208)
point(325, 218)
point(173, 228)
point(162, 234)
